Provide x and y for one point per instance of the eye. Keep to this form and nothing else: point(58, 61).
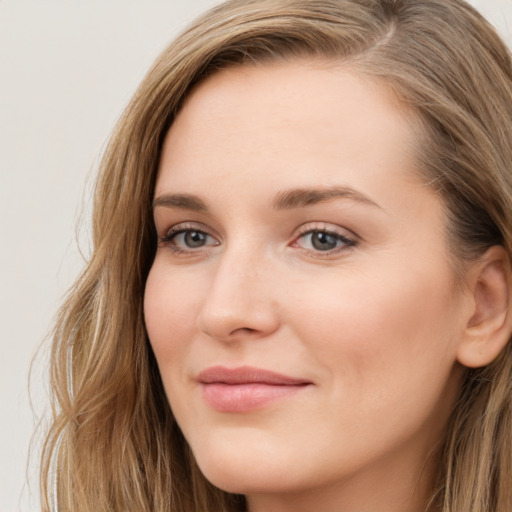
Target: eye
point(191, 239)
point(182, 238)
point(323, 240)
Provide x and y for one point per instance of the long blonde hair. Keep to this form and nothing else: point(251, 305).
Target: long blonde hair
point(113, 444)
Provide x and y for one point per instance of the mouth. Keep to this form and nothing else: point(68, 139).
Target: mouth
point(246, 388)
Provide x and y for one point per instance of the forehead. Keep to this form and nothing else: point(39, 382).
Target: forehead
point(282, 122)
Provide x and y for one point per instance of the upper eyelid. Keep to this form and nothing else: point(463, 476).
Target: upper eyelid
point(326, 227)
point(186, 226)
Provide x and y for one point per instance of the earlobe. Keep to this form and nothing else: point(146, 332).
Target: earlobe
point(489, 327)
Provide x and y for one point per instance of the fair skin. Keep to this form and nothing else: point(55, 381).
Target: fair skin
point(347, 291)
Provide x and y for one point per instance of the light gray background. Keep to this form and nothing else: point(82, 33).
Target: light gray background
point(67, 69)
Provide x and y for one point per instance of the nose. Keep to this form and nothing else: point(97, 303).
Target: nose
point(241, 301)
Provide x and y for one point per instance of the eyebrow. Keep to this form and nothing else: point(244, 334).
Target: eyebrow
point(284, 200)
point(184, 201)
point(298, 198)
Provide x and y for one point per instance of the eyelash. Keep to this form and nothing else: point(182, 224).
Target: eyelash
point(328, 231)
point(168, 240)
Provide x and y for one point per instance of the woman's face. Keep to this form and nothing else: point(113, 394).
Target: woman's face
point(301, 305)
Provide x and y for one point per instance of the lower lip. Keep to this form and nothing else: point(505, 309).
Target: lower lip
point(246, 397)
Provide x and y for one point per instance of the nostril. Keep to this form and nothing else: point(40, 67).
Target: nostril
point(230, 328)
point(244, 330)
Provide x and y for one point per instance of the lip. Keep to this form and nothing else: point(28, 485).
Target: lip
point(246, 388)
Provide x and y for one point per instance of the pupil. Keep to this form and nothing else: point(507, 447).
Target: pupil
point(195, 239)
point(323, 241)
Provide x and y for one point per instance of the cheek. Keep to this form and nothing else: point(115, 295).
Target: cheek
point(383, 336)
point(171, 304)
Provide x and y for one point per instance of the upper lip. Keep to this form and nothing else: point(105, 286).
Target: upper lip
point(247, 375)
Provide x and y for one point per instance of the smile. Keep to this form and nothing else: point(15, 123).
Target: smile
point(245, 389)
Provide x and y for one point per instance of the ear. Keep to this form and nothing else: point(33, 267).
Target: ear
point(490, 324)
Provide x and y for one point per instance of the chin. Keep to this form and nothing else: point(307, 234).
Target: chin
point(246, 483)
point(244, 472)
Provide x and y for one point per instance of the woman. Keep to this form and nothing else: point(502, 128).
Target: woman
point(299, 292)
